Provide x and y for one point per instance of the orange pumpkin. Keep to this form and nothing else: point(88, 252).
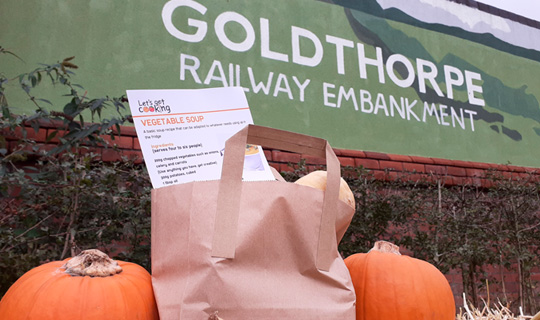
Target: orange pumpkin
point(88, 286)
point(391, 286)
point(317, 179)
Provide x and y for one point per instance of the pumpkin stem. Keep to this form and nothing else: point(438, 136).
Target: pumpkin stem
point(93, 263)
point(385, 246)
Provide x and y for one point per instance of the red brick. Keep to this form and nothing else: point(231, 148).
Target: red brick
point(376, 155)
point(40, 147)
point(59, 134)
point(453, 278)
point(414, 167)
point(135, 156)
point(511, 277)
point(501, 167)
point(416, 177)
point(456, 171)
point(379, 175)
point(31, 134)
point(446, 180)
point(460, 181)
point(444, 162)
point(346, 162)
point(461, 163)
point(477, 182)
point(512, 287)
point(313, 160)
point(475, 172)
point(487, 183)
point(96, 151)
point(137, 144)
point(534, 171)
point(352, 153)
point(392, 165)
point(524, 175)
point(281, 156)
point(274, 165)
point(349, 172)
point(285, 168)
point(507, 174)
point(126, 131)
point(267, 153)
point(393, 175)
point(516, 169)
point(400, 158)
point(425, 160)
point(110, 155)
point(12, 146)
point(315, 168)
point(436, 169)
point(367, 163)
point(48, 123)
point(480, 165)
point(6, 133)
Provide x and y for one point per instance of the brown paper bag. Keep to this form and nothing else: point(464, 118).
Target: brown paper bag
point(252, 250)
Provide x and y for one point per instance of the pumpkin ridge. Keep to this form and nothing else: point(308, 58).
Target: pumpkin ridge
point(417, 285)
point(395, 284)
point(43, 287)
point(15, 290)
point(125, 295)
point(131, 271)
point(427, 284)
point(364, 278)
point(86, 290)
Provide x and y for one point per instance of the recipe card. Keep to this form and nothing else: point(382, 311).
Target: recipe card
point(182, 133)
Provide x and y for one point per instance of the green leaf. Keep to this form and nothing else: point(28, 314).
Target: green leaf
point(71, 108)
point(45, 100)
point(35, 125)
point(51, 136)
point(97, 103)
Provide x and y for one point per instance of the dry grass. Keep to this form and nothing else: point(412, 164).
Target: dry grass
point(496, 312)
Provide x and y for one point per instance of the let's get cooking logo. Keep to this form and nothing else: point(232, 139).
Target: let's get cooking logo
point(155, 106)
point(150, 110)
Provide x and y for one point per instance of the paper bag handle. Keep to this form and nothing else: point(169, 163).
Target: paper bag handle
point(228, 202)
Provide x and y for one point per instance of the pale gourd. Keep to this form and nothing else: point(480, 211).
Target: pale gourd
point(317, 179)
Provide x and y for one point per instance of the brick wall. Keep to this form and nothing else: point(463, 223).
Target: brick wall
point(453, 172)
point(383, 165)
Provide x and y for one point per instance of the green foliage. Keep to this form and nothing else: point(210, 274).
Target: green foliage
point(464, 227)
point(55, 204)
point(67, 204)
point(71, 128)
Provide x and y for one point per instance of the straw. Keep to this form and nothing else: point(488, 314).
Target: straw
point(497, 312)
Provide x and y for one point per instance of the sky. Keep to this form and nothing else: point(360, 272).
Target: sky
point(526, 8)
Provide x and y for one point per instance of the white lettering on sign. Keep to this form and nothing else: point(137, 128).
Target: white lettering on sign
point(307, 49)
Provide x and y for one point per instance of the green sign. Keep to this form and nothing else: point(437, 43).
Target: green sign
point(361, 76)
